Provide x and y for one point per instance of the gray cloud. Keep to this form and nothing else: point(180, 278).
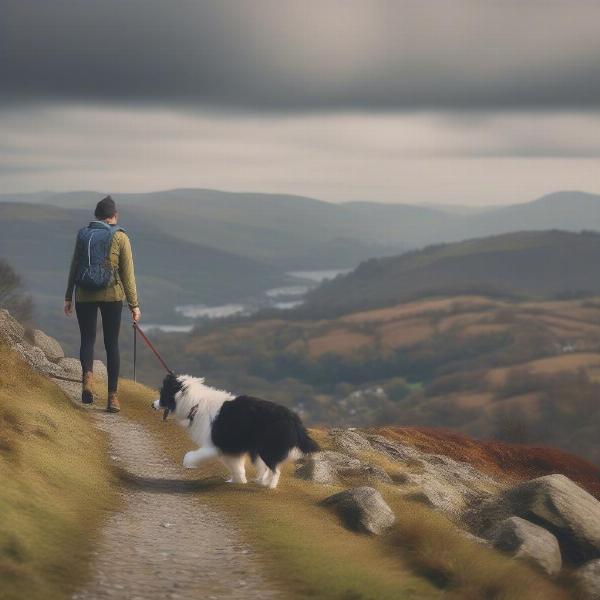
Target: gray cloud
point(314, 54)
point(386, 157)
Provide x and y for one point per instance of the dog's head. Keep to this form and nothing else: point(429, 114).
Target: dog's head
point(171, 386)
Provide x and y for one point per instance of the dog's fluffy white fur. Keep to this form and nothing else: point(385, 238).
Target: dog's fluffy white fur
point(269, 433)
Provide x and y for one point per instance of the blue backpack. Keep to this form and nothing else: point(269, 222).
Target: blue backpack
point(95, 271)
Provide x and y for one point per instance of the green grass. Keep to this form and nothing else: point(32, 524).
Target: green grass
point(312, 555)
point(55, 486)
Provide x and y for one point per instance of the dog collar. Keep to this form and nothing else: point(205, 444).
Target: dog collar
point(192, 413)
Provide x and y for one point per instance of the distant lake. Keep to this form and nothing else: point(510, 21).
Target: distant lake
point(197, 311)
point(281, 298)
point(318, 276)
point(168, 328)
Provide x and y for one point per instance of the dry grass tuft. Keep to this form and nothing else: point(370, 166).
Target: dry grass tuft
point(55, 486)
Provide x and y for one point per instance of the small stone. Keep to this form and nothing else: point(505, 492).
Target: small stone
point(362, 509)
point(528, 541)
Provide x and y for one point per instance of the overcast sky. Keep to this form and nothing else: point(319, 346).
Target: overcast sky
point(464, 102)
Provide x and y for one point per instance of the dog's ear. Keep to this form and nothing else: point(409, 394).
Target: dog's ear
point(170, 387)
point(201, 379)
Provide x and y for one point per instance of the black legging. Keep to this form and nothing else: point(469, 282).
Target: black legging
point(87, 317)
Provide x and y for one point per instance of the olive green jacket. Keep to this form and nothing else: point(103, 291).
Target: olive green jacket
point(123, 287)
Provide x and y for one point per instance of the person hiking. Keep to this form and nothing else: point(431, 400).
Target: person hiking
point(103, 275)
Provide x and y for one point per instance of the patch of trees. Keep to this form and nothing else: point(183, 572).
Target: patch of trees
point(13, 294)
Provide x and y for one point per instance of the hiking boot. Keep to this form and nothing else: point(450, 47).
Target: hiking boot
point(113, 405)
point(87, 392)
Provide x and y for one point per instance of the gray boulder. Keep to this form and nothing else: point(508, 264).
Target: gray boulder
point(351, 441)
point(362, 509)
point(553, 502)
point(327, 467)
point(72, 368)
point(49, 346)
point(11, 331)
point(36, 359)
point(587, 581)
point(523, 539)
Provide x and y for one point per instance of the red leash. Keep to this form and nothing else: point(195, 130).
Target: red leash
point(137, 329)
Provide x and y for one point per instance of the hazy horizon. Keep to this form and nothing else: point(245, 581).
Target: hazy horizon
point(424, 204)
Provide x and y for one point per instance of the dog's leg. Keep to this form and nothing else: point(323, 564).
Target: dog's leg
point(194, 458)
point(261, 470)
point(275, 477)
point(236, 465)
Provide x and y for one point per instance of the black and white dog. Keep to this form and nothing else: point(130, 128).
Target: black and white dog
point(233, 427)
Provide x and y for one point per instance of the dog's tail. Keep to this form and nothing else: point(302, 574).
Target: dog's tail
point(305, 443)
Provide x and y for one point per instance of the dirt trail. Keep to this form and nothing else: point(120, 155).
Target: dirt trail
point(163, 543)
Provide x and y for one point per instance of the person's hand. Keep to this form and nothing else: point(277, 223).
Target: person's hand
point(68, 308)
point(136, 314)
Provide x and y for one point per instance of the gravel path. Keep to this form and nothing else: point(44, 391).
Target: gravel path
point(164, 544)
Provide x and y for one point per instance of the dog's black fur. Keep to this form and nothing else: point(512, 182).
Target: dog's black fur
point(171, 386)
point(260, 428)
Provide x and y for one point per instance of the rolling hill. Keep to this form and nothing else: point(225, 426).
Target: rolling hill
point(295, 232)
point(537, 264)
point(38, 241)
point(566, 210)
point(291, 232)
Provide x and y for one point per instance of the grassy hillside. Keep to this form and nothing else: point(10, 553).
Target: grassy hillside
point(424, 556)
point(514, 371)
point(38, 241)
point(536, 264)
point(55, 486)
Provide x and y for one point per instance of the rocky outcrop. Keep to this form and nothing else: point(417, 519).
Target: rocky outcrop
point(587, 581)
point(328, 467)
point(362, 509)
point(11, 331)
point(436, 480)
point(351, 441)
point(48, 345)
point(45, 355)
point(37, 360)
point(523, 539)
point(553, 502)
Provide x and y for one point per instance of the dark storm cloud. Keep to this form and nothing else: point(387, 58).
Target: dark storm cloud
point(313, 54)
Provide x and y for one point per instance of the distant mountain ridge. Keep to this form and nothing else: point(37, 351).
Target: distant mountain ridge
point(295, 232)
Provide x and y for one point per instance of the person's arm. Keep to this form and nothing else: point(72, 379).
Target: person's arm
point(71, 281)
point(127, 275)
